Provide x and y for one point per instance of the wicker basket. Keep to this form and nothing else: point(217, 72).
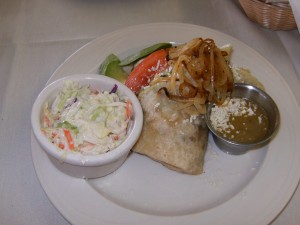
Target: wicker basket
point(272, 16)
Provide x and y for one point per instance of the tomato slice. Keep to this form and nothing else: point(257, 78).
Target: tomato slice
point(142, 74)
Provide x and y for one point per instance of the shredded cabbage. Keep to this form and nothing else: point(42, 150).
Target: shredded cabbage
point(85, 120)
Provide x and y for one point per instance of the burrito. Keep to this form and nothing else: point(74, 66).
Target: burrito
point(175, 101)
point(173, 134)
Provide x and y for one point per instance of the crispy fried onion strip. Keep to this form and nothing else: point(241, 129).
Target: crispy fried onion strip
point(200, 74)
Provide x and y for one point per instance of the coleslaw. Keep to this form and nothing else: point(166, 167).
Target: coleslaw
point(85, 120)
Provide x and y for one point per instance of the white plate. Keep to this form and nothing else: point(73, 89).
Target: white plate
point(247, 189)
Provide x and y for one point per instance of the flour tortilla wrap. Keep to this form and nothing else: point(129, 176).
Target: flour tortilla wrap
point(172, 133)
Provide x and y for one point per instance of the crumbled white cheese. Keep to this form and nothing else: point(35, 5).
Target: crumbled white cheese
point(260, 119)
point(156, 105)
point(185, 121)
point(193, 118)
point(220, 115)
point(154, 68)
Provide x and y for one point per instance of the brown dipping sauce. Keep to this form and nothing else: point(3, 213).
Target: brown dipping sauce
point(240, 120)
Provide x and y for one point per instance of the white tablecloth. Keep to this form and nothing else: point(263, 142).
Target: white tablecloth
point(36, 36)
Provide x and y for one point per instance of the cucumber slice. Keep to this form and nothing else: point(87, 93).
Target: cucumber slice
point(143, 53)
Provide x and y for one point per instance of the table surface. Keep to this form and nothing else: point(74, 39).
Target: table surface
point(36, 36)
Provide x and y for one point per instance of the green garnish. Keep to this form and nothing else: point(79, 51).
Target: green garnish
point(143, 53)
point(111, 68)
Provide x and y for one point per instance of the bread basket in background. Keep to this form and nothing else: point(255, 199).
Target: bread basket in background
point(272, 14)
